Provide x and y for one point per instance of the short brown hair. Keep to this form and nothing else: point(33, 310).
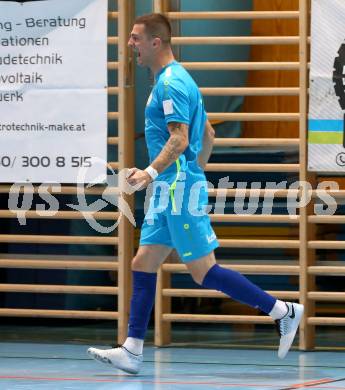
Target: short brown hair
point(156, 26)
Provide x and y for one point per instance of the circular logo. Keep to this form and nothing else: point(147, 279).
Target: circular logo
point(112, 195)
point(340, 159)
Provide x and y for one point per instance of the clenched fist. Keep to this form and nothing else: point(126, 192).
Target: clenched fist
point(138, 178)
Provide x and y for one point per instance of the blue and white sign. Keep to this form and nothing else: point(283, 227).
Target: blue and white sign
point(326, 130)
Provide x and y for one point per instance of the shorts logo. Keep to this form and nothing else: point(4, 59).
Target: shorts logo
point(210, 237)
point(187, 254)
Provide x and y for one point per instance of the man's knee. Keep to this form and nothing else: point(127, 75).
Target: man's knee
point(198, 274)
point(138, 263)
point(149, 258)
point(200, 267)
point(197, 277)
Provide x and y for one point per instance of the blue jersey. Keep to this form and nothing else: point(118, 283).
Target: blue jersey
point(175, 97)
point(178, 223)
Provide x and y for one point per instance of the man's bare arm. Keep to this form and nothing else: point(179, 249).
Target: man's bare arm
point(175, 146)
point(207, 145)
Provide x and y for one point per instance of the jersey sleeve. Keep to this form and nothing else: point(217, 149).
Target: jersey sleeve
point(175, 101)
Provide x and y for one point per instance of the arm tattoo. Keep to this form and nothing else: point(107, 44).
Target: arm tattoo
point(176, 144)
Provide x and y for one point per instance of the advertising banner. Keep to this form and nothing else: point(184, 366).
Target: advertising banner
point(326, 135)
point(53, 91)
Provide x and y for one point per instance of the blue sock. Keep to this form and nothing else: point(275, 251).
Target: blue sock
point(143, 297)
point(238, 287)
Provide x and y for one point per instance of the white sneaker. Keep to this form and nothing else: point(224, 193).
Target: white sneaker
point(287, 327)
point(119, 357)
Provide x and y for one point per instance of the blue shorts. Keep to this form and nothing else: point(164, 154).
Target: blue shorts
point(178, 220)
